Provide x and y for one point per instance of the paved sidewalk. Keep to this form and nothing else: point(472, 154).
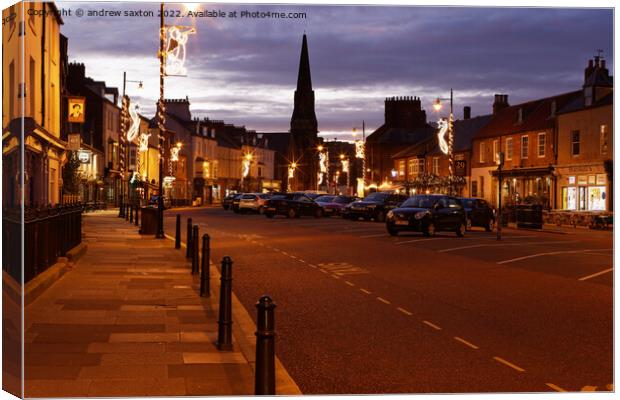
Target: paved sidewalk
point(128, 320)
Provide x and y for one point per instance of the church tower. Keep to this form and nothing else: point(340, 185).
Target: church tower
point(304, 138)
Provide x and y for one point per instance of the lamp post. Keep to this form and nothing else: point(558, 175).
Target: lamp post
point(360, 153)
point(437, 106)
point(246, 164)
point(500, 164)
point(161, 109)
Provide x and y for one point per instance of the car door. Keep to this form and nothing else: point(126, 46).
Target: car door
point(442, 214)
point(456, 212)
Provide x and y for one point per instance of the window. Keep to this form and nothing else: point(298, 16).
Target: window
point(520, 115)
point(132, 158)
point(525, 146)
point(509, 149)
point(482, 186)
point(260, 171)
point(482, 150)
point(435, 165)
point(542, 141)
point(412, 167)
point(495, 150)
point(401, 168)
point(474, 189)
point(604, 139)
point(574, 143)
point(420, 166)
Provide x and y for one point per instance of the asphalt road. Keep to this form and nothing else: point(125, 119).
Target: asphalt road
point(359, 311)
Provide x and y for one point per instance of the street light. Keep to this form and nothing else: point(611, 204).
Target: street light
point(437, 106)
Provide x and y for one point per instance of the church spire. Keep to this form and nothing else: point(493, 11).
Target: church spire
point(304, 81)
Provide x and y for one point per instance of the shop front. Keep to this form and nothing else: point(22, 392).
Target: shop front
point(526, 185)
point(583, 188)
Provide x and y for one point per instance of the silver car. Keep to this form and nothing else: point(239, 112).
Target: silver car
point(253, 202)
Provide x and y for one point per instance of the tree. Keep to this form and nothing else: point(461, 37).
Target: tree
point(71, 175)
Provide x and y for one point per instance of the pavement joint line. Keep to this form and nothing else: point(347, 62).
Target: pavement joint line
point(402, 310)
point(596, 274)
point(381, 299)
point(466, 343)
point(555, 387)
point(508, 363)
point(551, 253)
point(436, 327)
point(365, 291)
point(349, 283)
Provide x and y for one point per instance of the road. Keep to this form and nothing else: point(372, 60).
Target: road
point(359, 311)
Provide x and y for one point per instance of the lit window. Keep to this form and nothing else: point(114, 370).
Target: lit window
point(604, 139)
point(542, 141)
point(509, 149)
point(525, 146)
point(574, 143)
point(482, 150)
point(435, 165)
point(495, 150)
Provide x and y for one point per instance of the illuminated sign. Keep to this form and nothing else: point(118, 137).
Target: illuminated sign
point(84, 156)
point(76, 109)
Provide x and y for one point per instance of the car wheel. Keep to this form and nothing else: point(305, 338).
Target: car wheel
point(461, 229)
point(261, 210)
point(380, 216)
point(429, 230)
point(490, 226)
point(469, 224)
point(269, 215)
point(291, 213)
point(392, 231)
point(318, 213)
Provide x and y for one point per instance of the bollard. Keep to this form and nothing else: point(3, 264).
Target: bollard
point(177, 233)
point(131, 214)
point(195, 258)
point(127, 208)
point(188, 248)
point(265, 371)
point(136, 217)
point(205, 290)
point(121, 210)
point(224, 323)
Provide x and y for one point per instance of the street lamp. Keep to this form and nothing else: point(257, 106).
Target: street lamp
point(161, 120)
point(500, 165)
point(360, 153)
point(449, 148)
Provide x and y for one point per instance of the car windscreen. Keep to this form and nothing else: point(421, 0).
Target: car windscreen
point(376, 197)
point(467, 203)
point(420, 202)
point(248, 197)
point(343, 200)
point(279, 197)
point(324, 199)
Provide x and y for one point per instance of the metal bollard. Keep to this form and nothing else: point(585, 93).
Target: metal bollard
point(205, 290)
point(188, 252)
point(195, 257)
point(131, 214)
point(121, 210)
point(127, 208)
point(136, 217)
point(224, 328)
point(265, 372)
point(177, 233)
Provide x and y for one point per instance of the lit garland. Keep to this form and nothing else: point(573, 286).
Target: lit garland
point(359, 149)
point(323, 157)
point(176, 40)
point(345, 166)
point(143, 141)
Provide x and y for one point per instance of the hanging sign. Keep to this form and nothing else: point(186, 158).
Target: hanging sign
point(76, 109)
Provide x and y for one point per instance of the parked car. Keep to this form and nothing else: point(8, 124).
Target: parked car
point(428, 213)
point(293, 205)
point(228, 200)
point(479, 213)
point(333, 205)
point(153, 201)
point(253, 202)
point(374, 206)
point(235, 202)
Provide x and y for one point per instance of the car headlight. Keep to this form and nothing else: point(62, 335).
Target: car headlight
point(421, 214)
point(390, 214)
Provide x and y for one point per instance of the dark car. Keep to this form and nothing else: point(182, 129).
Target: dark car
point(428, 213)
point(154, 201)
point(293, 205)
point(332, 204)
point(479, 213)
point(374, 206)
point(228, 200)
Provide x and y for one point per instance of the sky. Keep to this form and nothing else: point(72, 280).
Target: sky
point(244, 70)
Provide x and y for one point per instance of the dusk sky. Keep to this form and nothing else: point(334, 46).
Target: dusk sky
point(244, 71)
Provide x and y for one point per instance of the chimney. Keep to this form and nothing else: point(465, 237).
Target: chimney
point(466, 112)
point(501, 101)
point(588, 71)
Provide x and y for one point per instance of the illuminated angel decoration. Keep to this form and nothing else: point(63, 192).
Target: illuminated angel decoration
point(345, 166)
point(320, 178)
point(291, 172)
point(134, 128)
point(246, 167)
point(175, 50)
point(359, 149)
point(441, 135)
point(143, 142)
point(174, 153)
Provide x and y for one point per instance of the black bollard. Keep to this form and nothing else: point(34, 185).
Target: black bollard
point(135, 220)
point(188, 252)
point(177, 233)
point(121, 210)
point(265, 372)
point(131, 214)
point(205, 290)
point(127, 209)
point(195, 257)
point(224, 323)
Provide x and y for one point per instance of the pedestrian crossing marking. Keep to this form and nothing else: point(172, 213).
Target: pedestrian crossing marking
point(343, 268)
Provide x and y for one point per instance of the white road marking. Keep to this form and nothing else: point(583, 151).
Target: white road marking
point(335, 276)
point(597, 274)
point(508, 363)
point(552, 253)
point(381, 299)
point(466, 343)
point(373, 236)
point(365, 291)
point(292, 256)
point(504, 244)
point(402, 310)
point(421, 240)
point(555, 387)
point(588, 389)
point(284, 252)
point(436, 327)
point(349, 283)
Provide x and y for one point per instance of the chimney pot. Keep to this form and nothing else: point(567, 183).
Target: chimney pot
point(466, 112)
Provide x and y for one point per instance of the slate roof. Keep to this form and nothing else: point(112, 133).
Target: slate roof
point(400, 135)
point(579, 104)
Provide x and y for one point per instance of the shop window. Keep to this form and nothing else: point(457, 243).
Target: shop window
point(604, 139)
point(412, 166)
point(569, 198)
point(509, 149)
point(596, 198)
point(575, 143)
point(525, 146)
point(542, 141)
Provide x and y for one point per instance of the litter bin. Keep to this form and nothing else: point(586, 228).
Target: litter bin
point(529, 216)
point(148, 221)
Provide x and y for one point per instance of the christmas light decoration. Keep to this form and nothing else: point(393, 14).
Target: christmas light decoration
point(134, 128)
point(143, 142)
point(359, 149)
point(345, 166)
point(176, 40)
point(174, 153)
point(441, 135)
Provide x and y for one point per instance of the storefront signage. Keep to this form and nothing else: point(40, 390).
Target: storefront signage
point(460, 167)
point(582, 180)
point(76, 109)
point(73, 141)
point(601, 179)
point(84, 156)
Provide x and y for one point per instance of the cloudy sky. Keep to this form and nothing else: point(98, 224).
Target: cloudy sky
point(244, 70)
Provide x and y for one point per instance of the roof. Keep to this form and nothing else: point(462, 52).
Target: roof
point(579, 104)
point(536, 114)
point(277, 141)
point(387, 135)
point(599, 77)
